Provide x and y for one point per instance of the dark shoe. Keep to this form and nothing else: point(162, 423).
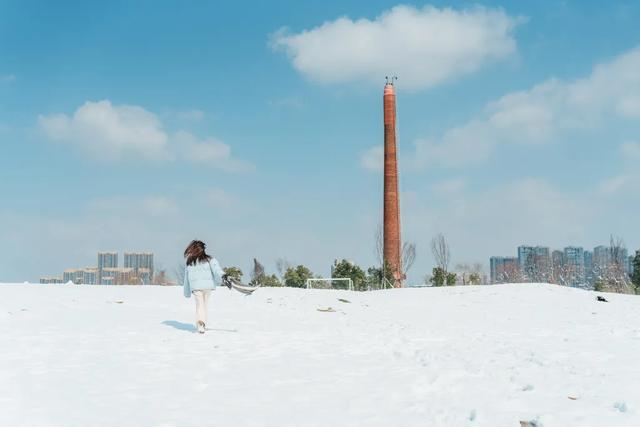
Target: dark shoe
point(201, 327)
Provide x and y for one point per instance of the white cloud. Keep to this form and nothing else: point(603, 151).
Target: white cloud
point(547, 111)
point(625, 182)
point(113, 133)
point(373, 159)
point(209, 151)
point(630, 150)
point(108, 132)
point(424, 47)
point(614, 185)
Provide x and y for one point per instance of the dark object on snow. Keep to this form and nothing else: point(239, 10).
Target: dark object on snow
point(344, 300)
point(603, 299)
point(532, 423)
point(226, 281)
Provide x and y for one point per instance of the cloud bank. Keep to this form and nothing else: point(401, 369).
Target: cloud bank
point(541, 114)
point(424, 47)
point(114, 133)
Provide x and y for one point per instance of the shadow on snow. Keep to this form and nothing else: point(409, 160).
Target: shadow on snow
point(189, 327)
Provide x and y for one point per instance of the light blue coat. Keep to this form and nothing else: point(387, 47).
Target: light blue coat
point(201, 276)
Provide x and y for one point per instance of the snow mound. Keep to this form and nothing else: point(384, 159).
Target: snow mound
point(460, 356)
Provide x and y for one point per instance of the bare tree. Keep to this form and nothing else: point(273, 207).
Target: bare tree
point(282, 265)
point(470, 274)
point(511, 274)
point(440, 250)
point(464, 271)
point(408, 256)
point(380, 245)
point(613, 277)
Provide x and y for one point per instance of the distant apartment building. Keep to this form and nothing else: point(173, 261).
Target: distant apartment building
point(90, 276)
point(73, 275)
point(606, 257)
point(623, 259)
point(145, 276)
point(142, 265)
point(85, 276)
point(118, 276)
point(574, 266)
point(601, 257)
point(51, 280)
point(106, 260)
point(588, 267)
point(504, 269)
point(138, 270)
point(534, 263)
point(557, 259)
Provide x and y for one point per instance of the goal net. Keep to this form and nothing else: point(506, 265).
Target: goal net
point(330, 283)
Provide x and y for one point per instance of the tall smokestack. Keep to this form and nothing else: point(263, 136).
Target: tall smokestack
point(391, 219)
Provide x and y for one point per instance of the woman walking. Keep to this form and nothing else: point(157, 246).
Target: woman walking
point(202, 275)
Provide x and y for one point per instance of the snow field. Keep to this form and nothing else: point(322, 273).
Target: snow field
point(459, 356)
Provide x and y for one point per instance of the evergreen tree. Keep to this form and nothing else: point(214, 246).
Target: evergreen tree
point(474, 279)
point(297, 277)
point(266, 280)
point(375, 277)
point(635, 276)
point(438, 276)
point(451, 279)
point(233, 273)
point(346, 269)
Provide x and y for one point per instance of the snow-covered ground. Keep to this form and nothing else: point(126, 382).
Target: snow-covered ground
point(460, 356)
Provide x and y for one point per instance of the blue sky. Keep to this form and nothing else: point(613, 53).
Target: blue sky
point(256, 126)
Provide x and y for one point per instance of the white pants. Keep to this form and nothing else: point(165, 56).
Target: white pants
point(202, 299)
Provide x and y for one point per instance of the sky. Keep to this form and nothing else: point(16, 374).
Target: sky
point(257, 127)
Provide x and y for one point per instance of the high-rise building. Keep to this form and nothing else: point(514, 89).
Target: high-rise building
point(79, 276)
point(51, 280)
point(106, 260)
point(588, 267)
point(74, 275)
point(90, 276)
point(504, 269)
point(557, 266)
point(574, 266)
point(601, 257)
point(534, 263)
point(391, 198)
point(622, 255)
point(145, 276)
point(118, 276)
point(138, 261)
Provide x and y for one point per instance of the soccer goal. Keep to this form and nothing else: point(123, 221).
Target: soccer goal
point(330, 283)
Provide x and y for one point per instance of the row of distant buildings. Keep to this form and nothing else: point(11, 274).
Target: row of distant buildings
point(572, 266)
point(138, 269)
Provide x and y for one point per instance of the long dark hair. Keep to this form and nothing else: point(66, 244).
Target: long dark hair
point(195, 252)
